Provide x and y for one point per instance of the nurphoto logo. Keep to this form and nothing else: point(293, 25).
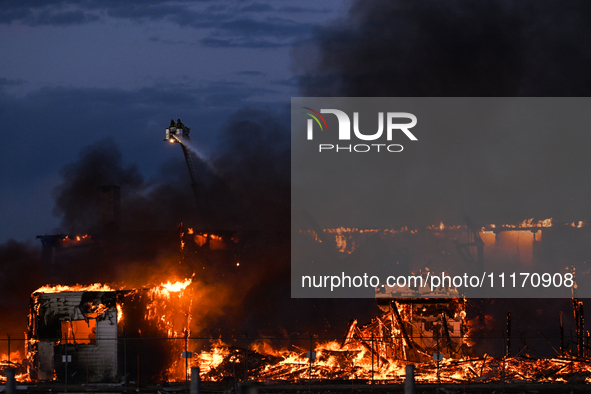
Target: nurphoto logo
point(393, 125)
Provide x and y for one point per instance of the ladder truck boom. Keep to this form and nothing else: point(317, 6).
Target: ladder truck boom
point(179, 133)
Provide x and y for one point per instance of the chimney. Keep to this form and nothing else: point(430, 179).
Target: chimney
point(109, 207)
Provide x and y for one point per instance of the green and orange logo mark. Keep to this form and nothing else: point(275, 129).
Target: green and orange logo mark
point(315, 116)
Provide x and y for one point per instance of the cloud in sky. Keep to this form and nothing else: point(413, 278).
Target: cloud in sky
point(4, 82)
point(251, 73)
point(249, 25)
point(64, 116)
point(133, 44)
point(240, 43)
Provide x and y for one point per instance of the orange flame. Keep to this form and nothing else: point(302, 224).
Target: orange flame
point(74, 288)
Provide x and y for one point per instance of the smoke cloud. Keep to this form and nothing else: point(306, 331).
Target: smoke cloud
point(450, 48)
point(466, 48)
point(253, 159)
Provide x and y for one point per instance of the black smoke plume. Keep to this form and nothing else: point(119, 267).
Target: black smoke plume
point(451, 48)
point(470, 48)
point(252, 159)
point(157, 204)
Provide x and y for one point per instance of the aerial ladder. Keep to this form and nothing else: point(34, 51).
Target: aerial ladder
point(179, 133)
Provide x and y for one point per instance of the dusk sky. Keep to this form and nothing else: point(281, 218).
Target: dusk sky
point(76, 72)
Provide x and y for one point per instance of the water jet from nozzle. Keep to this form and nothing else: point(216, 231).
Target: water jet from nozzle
point(178, 132)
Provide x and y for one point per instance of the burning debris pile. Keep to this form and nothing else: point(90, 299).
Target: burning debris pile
point(432, 333)
point(407, 331)
point(356, 361)
point(380, 351)
point(19, 367)
point(414, 329)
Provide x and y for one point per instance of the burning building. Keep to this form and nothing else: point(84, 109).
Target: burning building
point(423, 326)
point(78, 328)
point(103, 334)
point(86, 332)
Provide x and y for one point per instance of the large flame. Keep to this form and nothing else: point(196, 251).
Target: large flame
point(73, 288)
point(170, 287)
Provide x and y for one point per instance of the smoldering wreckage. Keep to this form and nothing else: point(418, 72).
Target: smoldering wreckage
point(99, 333)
